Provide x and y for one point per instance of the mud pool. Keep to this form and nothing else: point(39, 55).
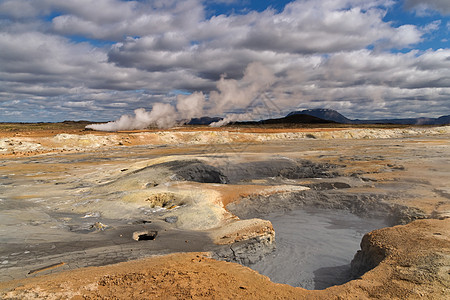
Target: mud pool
point(314, 247)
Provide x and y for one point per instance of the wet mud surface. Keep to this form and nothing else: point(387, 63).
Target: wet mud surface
point(314, 247)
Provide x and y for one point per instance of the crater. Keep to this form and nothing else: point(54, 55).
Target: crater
point(279, 168)
point(317, 232)
point(200, 172)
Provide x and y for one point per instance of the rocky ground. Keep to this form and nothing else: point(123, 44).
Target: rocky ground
point(87, 199)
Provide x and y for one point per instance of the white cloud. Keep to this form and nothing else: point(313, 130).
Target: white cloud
point(112, 19)
point(433, 26)
point(423, 6)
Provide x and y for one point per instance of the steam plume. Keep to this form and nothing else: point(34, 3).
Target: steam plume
point(191, 106)
point(162, 115)
point(230, 95)
point(233, 94)
point(233, 118)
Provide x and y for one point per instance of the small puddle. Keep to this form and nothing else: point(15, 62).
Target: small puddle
point(314, 247)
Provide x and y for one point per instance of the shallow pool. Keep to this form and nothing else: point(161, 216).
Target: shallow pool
point(314, 247)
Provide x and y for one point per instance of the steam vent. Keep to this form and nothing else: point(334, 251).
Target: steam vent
point(238, 212)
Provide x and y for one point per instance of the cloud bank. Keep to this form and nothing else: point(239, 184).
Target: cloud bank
point(101, 59)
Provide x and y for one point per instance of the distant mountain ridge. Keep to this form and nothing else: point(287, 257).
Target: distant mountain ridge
point(332, 115)
point(323, 116)
point(289, 119)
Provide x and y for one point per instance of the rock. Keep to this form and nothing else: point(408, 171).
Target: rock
point(171, 219)
point(99, 226)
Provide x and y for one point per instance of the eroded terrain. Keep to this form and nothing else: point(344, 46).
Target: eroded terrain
point(84, 199)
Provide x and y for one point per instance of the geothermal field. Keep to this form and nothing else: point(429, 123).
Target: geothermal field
point(225, 213)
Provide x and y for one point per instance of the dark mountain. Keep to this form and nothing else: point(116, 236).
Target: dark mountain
point(289, 119)
point(332, 115)
point(444, 120)
point(297, 119)
point(323, 113)
point(203, 121)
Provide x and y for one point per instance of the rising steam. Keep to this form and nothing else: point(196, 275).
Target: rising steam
point(230, 95)
point(162, 115)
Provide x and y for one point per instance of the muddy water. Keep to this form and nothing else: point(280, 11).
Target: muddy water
point(314, 247)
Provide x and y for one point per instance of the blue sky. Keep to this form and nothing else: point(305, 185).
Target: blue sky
point(101, 59)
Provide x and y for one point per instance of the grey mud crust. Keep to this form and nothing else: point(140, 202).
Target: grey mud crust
point(364, 205)
point(245, 252)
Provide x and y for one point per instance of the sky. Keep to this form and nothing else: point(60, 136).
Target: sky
point(99, 60)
